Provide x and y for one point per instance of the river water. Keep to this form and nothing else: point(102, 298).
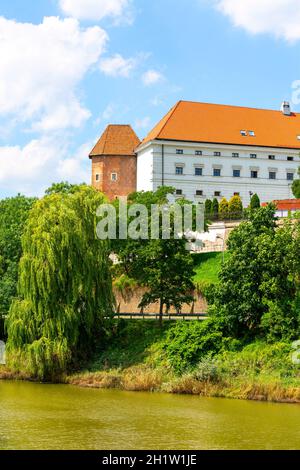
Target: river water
point(34, 416)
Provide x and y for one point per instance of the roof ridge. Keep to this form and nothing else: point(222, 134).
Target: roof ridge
point(233, 106)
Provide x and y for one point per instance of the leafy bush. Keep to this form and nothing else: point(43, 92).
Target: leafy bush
point(207, 371)
point(187, 343)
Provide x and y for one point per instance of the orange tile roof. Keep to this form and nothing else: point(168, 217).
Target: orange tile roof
point(215, 123)
point(286, 204)
point(116, 140)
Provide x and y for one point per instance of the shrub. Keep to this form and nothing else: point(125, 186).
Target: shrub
point(223, 208)
point(187, 343)
point(235, 207)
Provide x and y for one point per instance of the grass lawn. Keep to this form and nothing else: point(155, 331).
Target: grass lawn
point(207, 266)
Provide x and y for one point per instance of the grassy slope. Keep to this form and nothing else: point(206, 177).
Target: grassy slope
point(135, 360)
point(207, 266)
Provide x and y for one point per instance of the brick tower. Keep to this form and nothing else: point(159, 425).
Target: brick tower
point(114, 161)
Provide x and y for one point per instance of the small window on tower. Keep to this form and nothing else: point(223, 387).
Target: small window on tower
point(114, 176)
point(97, 177)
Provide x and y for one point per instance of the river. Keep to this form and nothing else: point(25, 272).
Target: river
point(34, 416)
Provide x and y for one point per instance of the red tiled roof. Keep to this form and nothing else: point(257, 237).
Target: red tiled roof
point(116, 140)
point(287, 204)
point(214, 123)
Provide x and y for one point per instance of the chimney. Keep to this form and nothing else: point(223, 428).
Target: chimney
point(286, 108)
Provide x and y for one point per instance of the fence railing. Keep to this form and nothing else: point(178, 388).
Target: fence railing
point(166, 316)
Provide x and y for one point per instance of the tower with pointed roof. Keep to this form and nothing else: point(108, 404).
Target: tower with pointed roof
point(114, 161)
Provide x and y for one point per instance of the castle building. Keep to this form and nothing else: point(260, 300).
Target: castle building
point(205, 151)
point(114, 161)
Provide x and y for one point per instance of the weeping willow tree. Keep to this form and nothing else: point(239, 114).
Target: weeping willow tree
point(65, 288)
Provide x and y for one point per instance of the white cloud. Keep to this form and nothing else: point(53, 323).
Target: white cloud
point(41, 68)
point(152, 77)
point(34, 167)
point(117, 66)
point(95, 10)
point(280, 18)
point(143, 123)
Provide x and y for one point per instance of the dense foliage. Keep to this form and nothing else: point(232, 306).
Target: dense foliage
point(235, 207)
point(163, 266)
point(258, 293)
point(13, 215)
point(64, 290)
point(255, 202)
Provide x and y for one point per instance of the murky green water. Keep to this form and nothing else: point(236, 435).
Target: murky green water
point(34, 416)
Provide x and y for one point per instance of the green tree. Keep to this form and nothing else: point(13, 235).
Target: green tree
point(296, 186)
point(223, 208)
point(235, 207)
point(13, 215)
point(258, 288)
point(63, 187)
point(255, 202)
point(215, 207)
point(65, 288)
point(208, 204)
point(163, 266)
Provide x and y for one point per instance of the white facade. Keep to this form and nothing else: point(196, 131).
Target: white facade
point(208, 175)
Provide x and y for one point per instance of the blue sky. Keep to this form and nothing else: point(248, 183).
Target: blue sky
point(70, 67)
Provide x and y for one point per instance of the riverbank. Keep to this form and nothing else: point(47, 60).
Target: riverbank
point(139, 356)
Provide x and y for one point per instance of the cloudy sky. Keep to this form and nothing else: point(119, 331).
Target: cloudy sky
point(70, 67)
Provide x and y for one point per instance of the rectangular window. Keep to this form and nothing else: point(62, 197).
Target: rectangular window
point(217, 193)
point(252, 133)
point(217, 154)
point(236, 194)
point(179, 170)
point(217, 172)
point(271, 157)
point(272, 175)
point(179, 151)
point(114, 177)
point(236, 173)
point(198, 171)
point(253, 155)
point(198, 152)
point(178, 192)
point(199, 193)
point(254, 174)
point(290, 159)
point(97, 177)
point(235, 155)
point(290, 176)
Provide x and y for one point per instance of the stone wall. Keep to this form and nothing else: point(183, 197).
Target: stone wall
point(132, 300)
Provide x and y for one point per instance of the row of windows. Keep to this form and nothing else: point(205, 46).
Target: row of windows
point(235, 173)
point(234, 154)
point(113, 177)
point(198, 192)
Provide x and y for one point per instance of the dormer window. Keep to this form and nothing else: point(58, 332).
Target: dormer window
point(243, 133)
point(252, 133)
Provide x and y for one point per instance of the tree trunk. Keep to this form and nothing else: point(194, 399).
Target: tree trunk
point(161, 312)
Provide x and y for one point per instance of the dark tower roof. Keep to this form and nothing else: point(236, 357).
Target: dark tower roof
point(116, 140)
